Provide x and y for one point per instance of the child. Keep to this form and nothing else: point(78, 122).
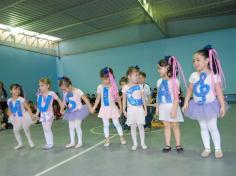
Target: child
point(107, 94)
point(136, 106)
point(45, 99)
point(147, 95)
point(123, 81)
point(76, 112)
point(20, 115)
point(208, 100)
point(167, 100)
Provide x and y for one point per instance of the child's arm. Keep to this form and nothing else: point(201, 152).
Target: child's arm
point(144, 104)
point(61, 104)
point(97, 101)
point(220, 95)
point(120, 104)
point(188, 96)
point(85, 99)
point(124, 104)
point(26, 106)
point(174, 108)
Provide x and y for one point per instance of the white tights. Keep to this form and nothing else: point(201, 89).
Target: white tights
point(141, 133)
point(210, 126)
point(116, 123)
point(75, 125)
point(17, 129)
point(47, 129)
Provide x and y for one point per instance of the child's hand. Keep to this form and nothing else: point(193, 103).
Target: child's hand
point(62, 111)
point(185, 107)
point(157, 111)
point(92, 110)
point(222, 112)
point(173, 113)
point(145, 112)
point(125, 113)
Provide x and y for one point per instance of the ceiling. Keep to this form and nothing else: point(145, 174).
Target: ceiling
point(68, 19)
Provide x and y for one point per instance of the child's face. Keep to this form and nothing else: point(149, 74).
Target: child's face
point(105, 80)
point(134, 77)
point(64, 88)
point(15, 91)
point(200, 63)
point(162, 70)
point(43, 87)
point(122, 84)
point(142, 79)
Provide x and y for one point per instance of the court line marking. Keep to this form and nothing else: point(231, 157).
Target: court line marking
point(71, 158)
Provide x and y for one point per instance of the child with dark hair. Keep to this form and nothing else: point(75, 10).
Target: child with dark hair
point(20, 115)
point(147, 95)
point(3, 96)
point(168, 100)
point(76, 112)
point(107, 94)
point(208, 100)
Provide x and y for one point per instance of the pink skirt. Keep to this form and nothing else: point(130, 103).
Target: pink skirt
point(109, 112)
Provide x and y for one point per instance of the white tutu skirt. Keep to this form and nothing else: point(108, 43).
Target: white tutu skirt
point(24, 121)
point(165, 111)
point(109, 112)
point(135, 115)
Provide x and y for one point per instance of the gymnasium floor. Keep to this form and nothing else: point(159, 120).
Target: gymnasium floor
point(94, 159)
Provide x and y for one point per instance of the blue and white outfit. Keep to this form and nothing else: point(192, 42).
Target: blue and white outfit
point(205, 107)
point(165, 100)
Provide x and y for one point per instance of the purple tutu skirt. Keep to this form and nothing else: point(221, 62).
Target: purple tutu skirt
point(206, 111)
point(80, 114)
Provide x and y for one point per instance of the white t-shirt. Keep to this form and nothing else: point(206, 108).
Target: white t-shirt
point(208, 93)
point(136, 94)
point(75, 97)
point(106, 96)
point(146, 92)
point(21, 100)
point(43, 103)
point(170, 90)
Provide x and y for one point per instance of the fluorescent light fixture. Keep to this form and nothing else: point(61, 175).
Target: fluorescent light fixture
point(17, 30)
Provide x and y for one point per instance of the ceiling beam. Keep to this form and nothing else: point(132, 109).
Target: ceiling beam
point(12, 5)
point(89, 20)
point(53, 13)
point(197, 8)
point(129, 22)
point(154, 15)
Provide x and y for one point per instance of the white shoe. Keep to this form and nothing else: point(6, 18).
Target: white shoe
point(70, 145)
point(78, 145)
point(144, 146)
point(18, 147)
point(31, 144)
point(206, 153)
point(107, 143)
point(123, 141)
point(48, 146)
point(134, 147)
point(218, 154)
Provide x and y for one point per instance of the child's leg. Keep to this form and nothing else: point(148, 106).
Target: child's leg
point(167, 133)
point(142, 134)
point(176, 131)
point(134, 134)
point(205, 134)
point(106, 127)
point(118, 126)
point(79, 131)
point(28, 135)
point(72, 131)
point(47, 128)
point(212, 126)
point(16, 130)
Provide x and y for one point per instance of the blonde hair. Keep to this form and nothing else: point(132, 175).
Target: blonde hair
point(45, 81)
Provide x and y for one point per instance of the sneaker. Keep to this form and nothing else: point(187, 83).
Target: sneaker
point(107, 143)
point(18, 147)
point(206, 153)
point(134, 147)
point(122, 140)
point(78, 145)
point(218, 154)
point(144, 146)
point(70, 145)
point(47, 146)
